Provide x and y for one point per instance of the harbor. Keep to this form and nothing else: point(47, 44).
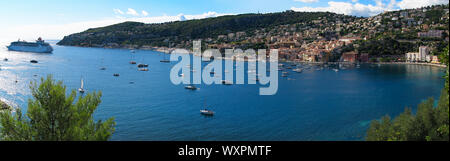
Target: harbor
point(313, 102)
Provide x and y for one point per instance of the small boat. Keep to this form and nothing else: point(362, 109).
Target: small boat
point(116, 75)
point(298, 70)
point(33, 61)
point(102, 68)
point(336, 70)
point(142, 65)
point(81, 89)
point(143, 69)
point(132, 62)
point(132, 51)
point(207, 112)
point(288, 67)
point(165, 60)
point(191, 87)
point(283, 75)
point(225, 82)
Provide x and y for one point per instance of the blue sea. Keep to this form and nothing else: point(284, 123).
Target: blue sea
point(313, 105)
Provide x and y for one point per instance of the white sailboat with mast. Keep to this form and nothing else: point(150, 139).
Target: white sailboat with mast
point(165, 60)
point(81, 89)
point(206, 112)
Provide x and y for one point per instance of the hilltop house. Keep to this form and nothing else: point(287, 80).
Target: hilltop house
point(431, 34)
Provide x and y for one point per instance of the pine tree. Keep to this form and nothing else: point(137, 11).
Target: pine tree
point(53, 116)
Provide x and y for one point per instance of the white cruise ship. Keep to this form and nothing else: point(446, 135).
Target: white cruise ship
point(37, 47)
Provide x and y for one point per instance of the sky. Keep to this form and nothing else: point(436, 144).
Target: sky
point(53, 19)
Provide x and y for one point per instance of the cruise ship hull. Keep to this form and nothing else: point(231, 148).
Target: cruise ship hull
point(34, 49)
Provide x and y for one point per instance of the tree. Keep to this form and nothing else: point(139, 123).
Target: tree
point(443, 57)
point(429, 124)
point(53, 116)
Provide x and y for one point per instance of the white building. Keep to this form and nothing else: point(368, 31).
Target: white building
point(424, 52)
point(412, 57)
point(421, 56)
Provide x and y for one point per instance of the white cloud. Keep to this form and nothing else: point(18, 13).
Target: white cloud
point(307, 1)
point(407, 4)
point(132, 12)
point(58, 31)
point(144, 13)
point(358, 9)
point(118, 11)
point(347, 8)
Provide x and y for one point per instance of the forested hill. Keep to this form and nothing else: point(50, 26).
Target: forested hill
point(134, 33)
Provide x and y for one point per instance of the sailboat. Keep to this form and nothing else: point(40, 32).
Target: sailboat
point(131, 61)
point(102, 67)
point(81, 89)
point(165, 60)
point(206, 112)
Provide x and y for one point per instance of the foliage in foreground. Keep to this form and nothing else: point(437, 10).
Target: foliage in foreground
point(53, 116)
point(428, 124)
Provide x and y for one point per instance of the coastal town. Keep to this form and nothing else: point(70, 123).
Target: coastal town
point(339, 38)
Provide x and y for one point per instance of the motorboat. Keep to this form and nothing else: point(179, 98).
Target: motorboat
point(225, 82)
point(142, 65)
point(191, 87)
point(298, 70)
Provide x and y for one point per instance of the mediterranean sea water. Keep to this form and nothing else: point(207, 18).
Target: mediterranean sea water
point(313, 105)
